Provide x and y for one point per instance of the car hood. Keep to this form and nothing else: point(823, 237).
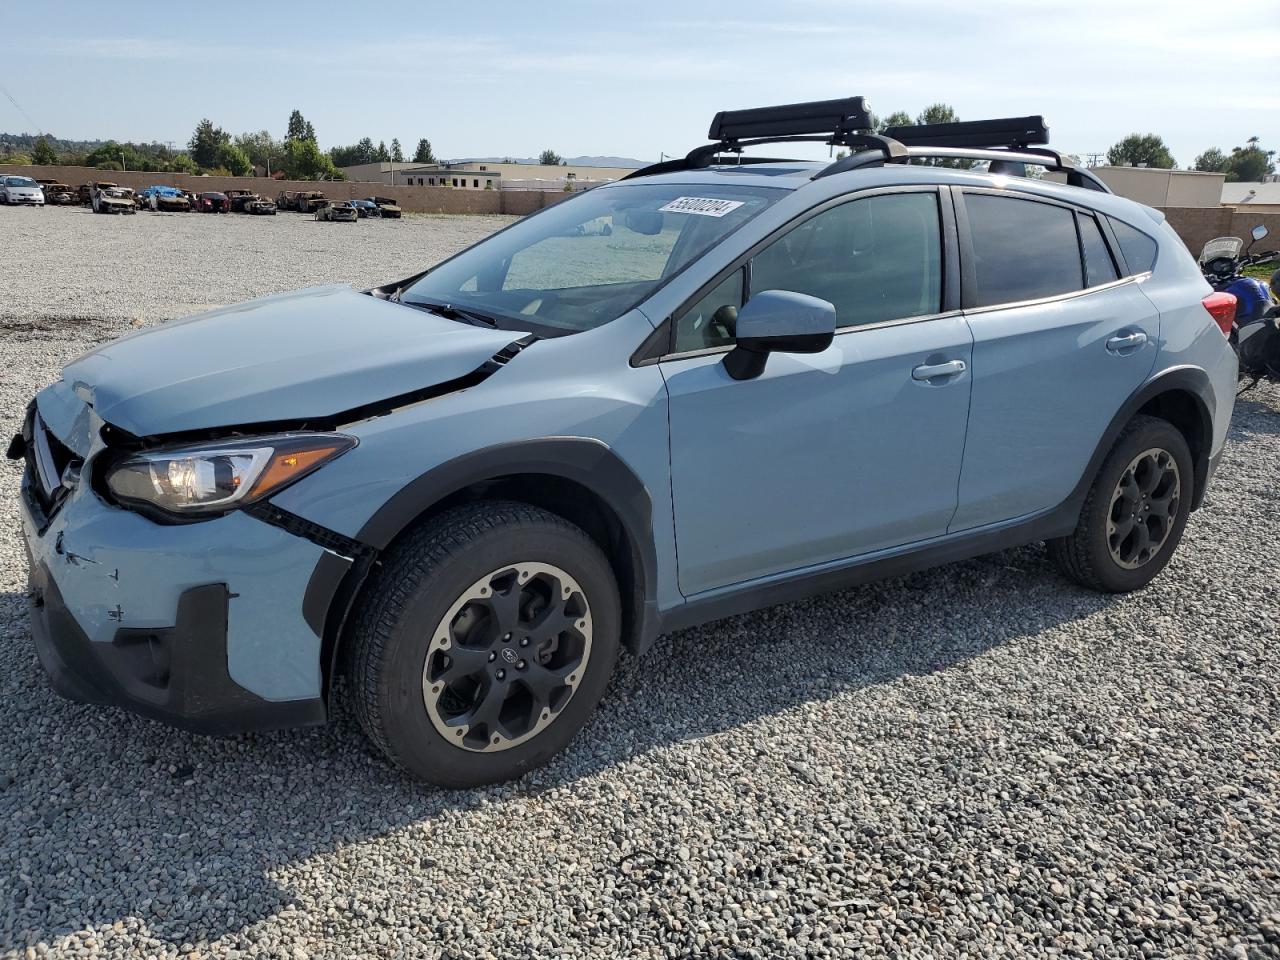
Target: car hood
point(26, 191)
point(309, 355)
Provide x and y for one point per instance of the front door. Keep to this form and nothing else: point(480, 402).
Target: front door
point(832, 455)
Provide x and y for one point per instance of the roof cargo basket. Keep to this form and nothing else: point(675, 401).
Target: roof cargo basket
point(1011, 133)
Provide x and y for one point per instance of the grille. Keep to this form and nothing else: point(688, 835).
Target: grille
point(47, 459)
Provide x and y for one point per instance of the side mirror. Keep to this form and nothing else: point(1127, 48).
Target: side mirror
point(779, 321)
point(1259, 233)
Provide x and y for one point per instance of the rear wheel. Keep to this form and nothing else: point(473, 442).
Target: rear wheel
point(484, 644)
point(1135, 512)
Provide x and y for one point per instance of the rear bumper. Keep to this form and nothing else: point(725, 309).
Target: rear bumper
point(176, 674)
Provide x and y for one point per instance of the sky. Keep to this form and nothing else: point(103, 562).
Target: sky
point(510, 78)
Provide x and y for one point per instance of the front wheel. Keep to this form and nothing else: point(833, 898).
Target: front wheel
point(1135, 511)
point(484, 643)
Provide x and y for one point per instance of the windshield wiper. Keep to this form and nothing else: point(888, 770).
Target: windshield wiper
point(451, 312)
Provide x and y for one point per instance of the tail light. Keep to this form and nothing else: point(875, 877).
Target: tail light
point(1222, 307)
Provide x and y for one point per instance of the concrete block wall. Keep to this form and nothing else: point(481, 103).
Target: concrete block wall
point(1198, 225)
point(411, 199)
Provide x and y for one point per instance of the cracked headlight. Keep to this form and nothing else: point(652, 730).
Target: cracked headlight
point(219, 476)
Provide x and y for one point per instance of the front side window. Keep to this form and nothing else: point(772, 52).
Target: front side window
point(711, 321)
point(590, 259)
point(874, 259)
point(1022, 249)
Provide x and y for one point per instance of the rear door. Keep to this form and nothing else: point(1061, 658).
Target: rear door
point(1061, 339)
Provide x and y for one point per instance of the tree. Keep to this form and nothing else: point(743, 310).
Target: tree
point(1250, 164)
point(397, 153)
point(382, 156)
point(303, 160)
point(942, 113)
point(423, 154)
point(1141, 149)
point(297, 129)
point(181, 163)
point(234, 160)
point(260, 147)
point(205, 142)
point(549, 158)
point(938, 113)
point(1212, 160)
point(117, 156)
point(42, 153)
point(362, 152)
point(899, 118)
point(309, 132)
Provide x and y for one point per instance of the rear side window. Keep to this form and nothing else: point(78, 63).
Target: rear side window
point(1022, 249)
point(1098, 265)
point(1139, 250)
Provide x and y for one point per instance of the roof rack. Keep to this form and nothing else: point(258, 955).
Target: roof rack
point(844, 123)
point(1008, 144)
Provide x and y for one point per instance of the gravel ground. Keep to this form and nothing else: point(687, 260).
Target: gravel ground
point(977, 761)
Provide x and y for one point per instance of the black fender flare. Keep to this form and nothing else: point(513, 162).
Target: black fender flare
point(1190, 380)
point(590, 463)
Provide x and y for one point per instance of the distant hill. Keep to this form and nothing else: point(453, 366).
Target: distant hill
point(23, 142)
point(626, 162)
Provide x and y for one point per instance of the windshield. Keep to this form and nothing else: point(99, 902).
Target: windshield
point(19, 182)
point(1221, 247)
point(590, 259)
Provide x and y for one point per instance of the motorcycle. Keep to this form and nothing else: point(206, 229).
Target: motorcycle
point(1255, 334)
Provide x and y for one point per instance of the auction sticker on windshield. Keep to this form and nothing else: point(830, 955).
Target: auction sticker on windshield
point(702, 206)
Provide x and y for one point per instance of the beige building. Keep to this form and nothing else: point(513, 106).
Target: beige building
point(1163, 188)
point(1255, 197)
point(485, 175)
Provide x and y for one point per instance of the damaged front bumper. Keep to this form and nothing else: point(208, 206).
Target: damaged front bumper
point(200, 625)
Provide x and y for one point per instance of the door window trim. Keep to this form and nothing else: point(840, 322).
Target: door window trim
point(969, 279)
point(951, 279)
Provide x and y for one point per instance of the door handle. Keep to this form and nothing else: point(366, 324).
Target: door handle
point(1126, 342)
point(932, 371)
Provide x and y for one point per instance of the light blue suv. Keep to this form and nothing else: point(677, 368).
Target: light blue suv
point(719, 384)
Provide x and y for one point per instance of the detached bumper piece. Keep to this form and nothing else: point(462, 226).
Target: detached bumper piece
point(174, 674)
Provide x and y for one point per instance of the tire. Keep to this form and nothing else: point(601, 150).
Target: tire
point(414, 617)
point(1114, 553)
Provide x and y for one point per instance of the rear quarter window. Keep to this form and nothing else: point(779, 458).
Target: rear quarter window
point(1139, 250)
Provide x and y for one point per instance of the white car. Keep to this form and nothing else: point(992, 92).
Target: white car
point(21, 190)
